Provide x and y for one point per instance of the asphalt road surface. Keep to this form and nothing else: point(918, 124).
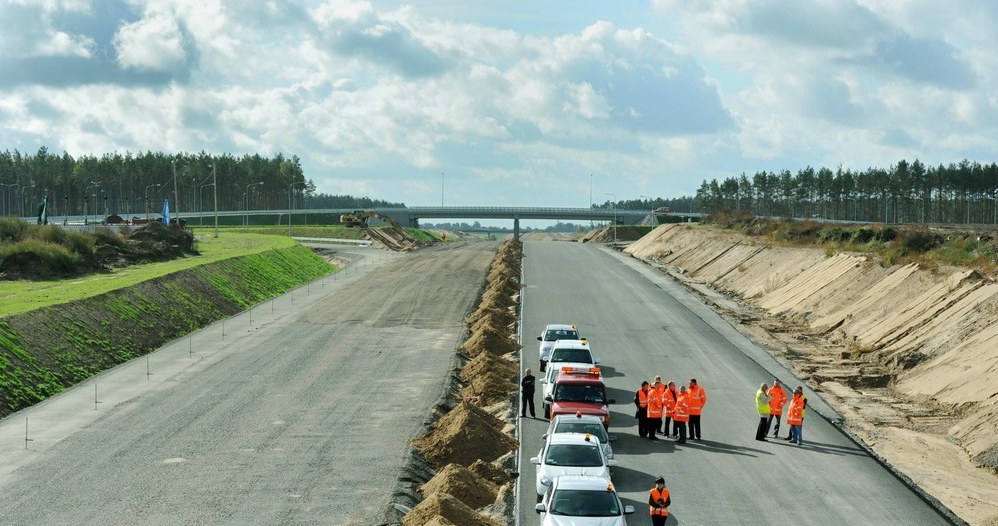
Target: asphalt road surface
point(297, 412)
point(642, 324)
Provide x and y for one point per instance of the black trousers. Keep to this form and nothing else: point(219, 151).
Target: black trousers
point(763, 429)
point(682, 431)
point(665, 428)
point(658, 520)
point(654, 424)
point(642, 416)
point(527, 401)
point(776, 430)
point(695, 426)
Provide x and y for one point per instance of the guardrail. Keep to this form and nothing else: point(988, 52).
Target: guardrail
point(333, 241)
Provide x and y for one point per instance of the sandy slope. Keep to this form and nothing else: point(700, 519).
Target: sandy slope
point(909, 356)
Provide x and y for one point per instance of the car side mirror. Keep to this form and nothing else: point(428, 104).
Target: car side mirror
point(611, 401)
point(539, 338)
point(612, 463)
point(627, 509)
point(597, 361)
point(541, 508)
point(612, 437)
point(544, 436)
point(548, 399)
point(535, 460)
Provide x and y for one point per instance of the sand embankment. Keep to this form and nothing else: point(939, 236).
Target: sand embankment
point(909, 356)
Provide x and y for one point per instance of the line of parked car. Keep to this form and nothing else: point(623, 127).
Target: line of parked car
point(573, 468)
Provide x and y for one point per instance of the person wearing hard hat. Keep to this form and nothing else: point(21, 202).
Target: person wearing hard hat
point(658, 503)
point(762, 406)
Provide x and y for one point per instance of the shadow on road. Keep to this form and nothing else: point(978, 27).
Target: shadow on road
point(609, 372)
point(712, 446)
point(632, 444)
point(621, 396)
point(827, 449)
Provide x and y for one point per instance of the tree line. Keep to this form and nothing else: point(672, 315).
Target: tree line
point(135, 184)
point(964, 192)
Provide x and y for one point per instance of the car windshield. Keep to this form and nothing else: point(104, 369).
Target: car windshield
point(580, 393)
point(585, 503)
point(561, 334)
point(592, 428)
point(573, 455)
point(572, 355)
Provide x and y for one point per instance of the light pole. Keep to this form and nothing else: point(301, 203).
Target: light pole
point(8, 201)
point(614, 217)
point(441, 189)
point(201, 202)
point(145, 193)
point(176, 192)
point(291, 203)
point(214, 184)
point(246, 202)
point(86, 199)
point(20, 202)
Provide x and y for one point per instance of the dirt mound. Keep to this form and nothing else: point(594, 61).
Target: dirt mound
point(439, 521)
point(496, 297)
point(487, 362)
point(462, 483)
point(500, 317)
point(490, 387)
point(465, 435)
point(600, 235)
point(450, 508)
point(391, 239)
point(491, 472)
point(493, 341)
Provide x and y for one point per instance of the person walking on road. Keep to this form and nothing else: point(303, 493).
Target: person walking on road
point(527, 394)
point(697, 399)
point(795, 416)
point(641, 402)
point(682, 414)
point(669, 402)
point(777, 399)
point(762, 406)
point(654, 411)
point(659, 502)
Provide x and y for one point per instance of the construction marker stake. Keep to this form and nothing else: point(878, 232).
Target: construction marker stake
point(148, 373)
point(26, 439)
point(95, 397)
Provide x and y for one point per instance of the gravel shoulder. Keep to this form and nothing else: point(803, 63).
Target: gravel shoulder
point(296, 412)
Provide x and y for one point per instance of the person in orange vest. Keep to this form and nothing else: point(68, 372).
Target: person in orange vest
point(654, 411)
point(669, 401)
point(660, 386)
point(795, 415)
point(659, 502)
point(777, 399)
point(641, 402)
point(682, 414)
point(697, 399)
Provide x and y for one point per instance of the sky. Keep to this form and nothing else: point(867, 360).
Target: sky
point(510, 103)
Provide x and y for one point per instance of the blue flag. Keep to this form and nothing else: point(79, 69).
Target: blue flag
point(166, 211)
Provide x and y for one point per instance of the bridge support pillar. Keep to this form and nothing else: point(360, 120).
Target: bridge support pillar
point(516, 229)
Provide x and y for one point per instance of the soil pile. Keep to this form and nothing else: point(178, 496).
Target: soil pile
point(458, 481)
point(491, 472)
point(392, 239)
point(500, 317)
point(489, 387)
point(465, 435)
point(442, 505)
point(485, 363)
point(908, 356)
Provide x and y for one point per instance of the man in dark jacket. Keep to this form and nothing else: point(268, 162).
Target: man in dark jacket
point(527, 394)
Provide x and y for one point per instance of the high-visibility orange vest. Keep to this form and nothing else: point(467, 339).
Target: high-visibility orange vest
point(682, 413)
point(795, 414)
point(659, 496)
point(669, 401)
point(697, 399)
point(654, 404)
point(777, 398)
point(642, 398)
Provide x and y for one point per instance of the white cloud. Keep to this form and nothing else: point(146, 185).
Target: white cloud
point(155, 43)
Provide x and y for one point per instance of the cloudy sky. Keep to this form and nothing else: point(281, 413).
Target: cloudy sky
point(516, 102)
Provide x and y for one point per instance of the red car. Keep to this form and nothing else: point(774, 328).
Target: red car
point(579, 390)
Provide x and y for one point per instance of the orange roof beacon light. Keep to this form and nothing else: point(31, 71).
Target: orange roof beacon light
point(587, 437)
point(578, 414)
point(609, 486)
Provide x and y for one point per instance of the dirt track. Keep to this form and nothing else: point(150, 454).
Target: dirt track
point(296, 415)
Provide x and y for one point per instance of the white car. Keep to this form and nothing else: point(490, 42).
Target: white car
point(580, 423)
point(575, 351)
point(582, 501)
point(551, 334)
point(570, 454)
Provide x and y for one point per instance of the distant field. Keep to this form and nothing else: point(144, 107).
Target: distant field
point(22, 296)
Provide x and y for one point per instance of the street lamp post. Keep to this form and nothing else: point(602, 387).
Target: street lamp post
point(291, 203)
point(614, 217)
point(214, 184)
point(176, 192)
point(145, 194)
point(246, 202)
point(7, 201)
point(20, 202)
point(441, 189)
point(86, 199)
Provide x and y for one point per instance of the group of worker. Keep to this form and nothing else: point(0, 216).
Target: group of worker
point(658, 400)
point(769, 403)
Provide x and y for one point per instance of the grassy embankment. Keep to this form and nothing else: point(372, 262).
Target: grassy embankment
point(54, 334)
point(892, 245)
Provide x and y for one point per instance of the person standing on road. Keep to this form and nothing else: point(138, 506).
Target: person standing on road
point(669, 402)
point(762, 406)
point(777, 398)
point(654, 411)
point(697, 399)
point(795, 416)
point(527, 394)
point(682, 414)
point(659, 502)
point(660, 387)
point(641, 402)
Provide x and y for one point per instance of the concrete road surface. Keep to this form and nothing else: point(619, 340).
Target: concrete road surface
point(642, 324)
point(298, 413)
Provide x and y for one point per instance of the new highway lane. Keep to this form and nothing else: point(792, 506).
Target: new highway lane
point(641, 324)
